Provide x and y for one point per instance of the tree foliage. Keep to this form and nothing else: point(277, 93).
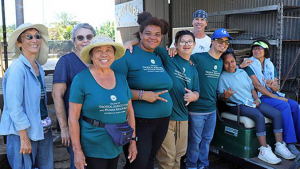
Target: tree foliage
point(108, 28)
point(9, 30)
point(62, 30)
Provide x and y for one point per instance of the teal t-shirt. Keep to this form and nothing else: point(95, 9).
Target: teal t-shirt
point(184, 75)
point(250, 72)
point(145, 71)
point(209, 70)
point(107, 106)
point(43, 109)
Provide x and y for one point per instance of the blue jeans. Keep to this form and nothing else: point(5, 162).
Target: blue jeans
point(41, 155)
point(258, 116)
point(70, 150)
point(201, 131)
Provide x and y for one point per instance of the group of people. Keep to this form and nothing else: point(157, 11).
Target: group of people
point(167, 97)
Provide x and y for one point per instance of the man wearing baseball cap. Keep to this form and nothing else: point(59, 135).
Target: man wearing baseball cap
point(200, 19)
point(202, 113)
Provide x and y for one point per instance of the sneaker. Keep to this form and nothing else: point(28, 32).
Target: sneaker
point(266, 154)
point(283, 151)
point(293, 149)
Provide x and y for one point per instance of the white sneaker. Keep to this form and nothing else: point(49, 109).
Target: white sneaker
point(283, 151)
point(266, 154)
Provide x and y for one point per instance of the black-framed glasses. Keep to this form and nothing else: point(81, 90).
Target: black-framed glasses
point(30, 37)
point(87, 37)
point(190, 43)
point(221, 41)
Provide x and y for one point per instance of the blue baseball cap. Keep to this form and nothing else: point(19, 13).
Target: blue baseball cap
point(200, 14)
point(220, 33)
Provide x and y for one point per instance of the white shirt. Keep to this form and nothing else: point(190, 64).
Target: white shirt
point(202, 45)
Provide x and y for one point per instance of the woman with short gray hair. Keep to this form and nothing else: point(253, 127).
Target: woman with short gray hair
point(80, 26)
point(67, 67)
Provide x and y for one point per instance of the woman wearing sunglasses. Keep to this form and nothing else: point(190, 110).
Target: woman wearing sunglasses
point(25, 118)
point(66, 69)
point(264, 77)
point(251, 106)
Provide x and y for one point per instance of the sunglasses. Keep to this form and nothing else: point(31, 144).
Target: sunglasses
point(30, 37)
point(221, 41)
point(88, 37)
point(257, 48)
point(190, 43)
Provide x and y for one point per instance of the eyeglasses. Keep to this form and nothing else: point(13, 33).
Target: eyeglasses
point(30, 37)
point(221, 41)
point(190, 43)
point(257, 48)
point(81, 37)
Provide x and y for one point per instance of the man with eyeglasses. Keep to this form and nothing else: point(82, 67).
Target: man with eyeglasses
point(200, 20)
point(67, 67)
point(202, 113)
point(185, 90)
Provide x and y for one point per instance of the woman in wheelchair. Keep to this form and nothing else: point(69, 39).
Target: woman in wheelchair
point(236, 86)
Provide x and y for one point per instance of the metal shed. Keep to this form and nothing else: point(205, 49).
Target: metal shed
point(277, 20)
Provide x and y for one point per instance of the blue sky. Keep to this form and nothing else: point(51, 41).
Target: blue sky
point(94, 12)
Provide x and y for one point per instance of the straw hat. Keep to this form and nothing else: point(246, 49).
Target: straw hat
point(42, 56)
point(101, 40)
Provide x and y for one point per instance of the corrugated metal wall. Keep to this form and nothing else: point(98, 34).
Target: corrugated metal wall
point(254, 25)
point(158, 8)
point(182, 10)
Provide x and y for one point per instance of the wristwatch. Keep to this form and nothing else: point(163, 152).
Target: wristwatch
point(134, 138)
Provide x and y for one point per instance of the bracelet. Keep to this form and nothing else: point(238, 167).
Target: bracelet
point(259, 100)
point(141, 94)
point(140, 91)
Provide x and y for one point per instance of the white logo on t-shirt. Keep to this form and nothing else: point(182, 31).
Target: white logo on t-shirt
point(152, 61)
point(113, 97)
point(183, 70)
point(215, 67)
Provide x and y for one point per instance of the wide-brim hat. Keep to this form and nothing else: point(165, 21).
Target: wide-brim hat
point(42, 55)
point(101, 40)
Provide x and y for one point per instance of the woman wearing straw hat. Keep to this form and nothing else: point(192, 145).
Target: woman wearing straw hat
point(67, 67)
point(99, 96)
point(25, 118)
